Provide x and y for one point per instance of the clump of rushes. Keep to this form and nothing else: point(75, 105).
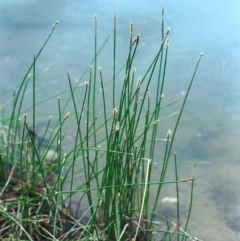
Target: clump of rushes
point(109, 167)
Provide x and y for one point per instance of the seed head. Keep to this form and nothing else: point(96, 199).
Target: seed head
point(148, 93)
point(55, 25)
point(90, 69)
point(139, 82)
point(131, 28)
point(156, 122)
point(67, 115)
point(115, 111)
point(29, 76)
point(200, 56)
point(82, 84)
point(169, 133)
point(117, 127)
point(136, 39)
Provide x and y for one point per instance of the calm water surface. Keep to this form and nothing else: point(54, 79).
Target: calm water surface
point(209, 132)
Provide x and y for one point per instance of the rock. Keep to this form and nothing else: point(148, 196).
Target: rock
point(51, 156)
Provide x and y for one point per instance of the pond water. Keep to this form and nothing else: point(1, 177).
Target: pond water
point(209, 132)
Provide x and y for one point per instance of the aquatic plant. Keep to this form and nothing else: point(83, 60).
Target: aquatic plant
point(108, 170)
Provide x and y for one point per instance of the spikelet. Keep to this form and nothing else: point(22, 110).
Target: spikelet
point(55, 25)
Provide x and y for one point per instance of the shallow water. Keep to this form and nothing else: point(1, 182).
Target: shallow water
point(209, 132)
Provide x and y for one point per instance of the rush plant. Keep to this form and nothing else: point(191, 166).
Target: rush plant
point(108, 168)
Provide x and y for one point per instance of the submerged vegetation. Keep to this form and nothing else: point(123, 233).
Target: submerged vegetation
point(103, 188)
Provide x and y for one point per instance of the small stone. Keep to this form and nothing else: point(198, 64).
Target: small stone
point(169, 200)
point(51, 156)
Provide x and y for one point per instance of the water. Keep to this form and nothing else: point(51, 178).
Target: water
point(209, 132)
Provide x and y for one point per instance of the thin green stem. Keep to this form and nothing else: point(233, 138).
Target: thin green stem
point(34, 117)
point(95, 79)
point(177, 192)
point(190, 205)
point(114, 57)
point(16, 99)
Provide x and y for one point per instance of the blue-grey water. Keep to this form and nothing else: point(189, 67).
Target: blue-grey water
point(209, 132)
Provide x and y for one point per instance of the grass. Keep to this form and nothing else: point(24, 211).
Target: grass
point(109, 168)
